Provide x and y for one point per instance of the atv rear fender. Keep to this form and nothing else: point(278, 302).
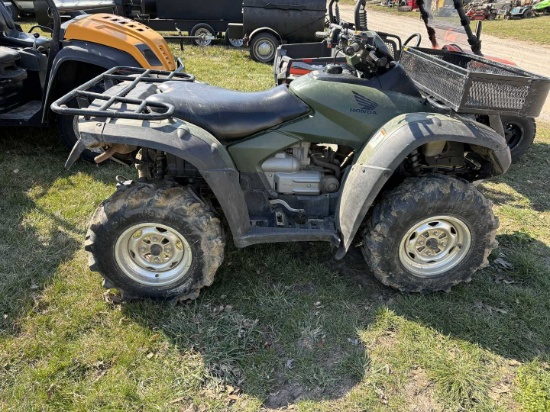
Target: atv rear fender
point(184, 140)
point(87, 55)
point(389, 147)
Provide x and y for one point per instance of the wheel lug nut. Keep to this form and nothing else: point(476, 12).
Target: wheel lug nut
point(436, 233)
point(157, 259)
point(168, 250)
point(443, 244)
point(143, 249)
point(155, 239)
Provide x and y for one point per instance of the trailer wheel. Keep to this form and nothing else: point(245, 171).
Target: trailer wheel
point(203, 29)
point(237, 43)
point(263, 47)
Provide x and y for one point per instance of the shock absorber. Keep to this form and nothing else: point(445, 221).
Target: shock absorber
point(361, 16)
point(415, 162)
point(160, 159)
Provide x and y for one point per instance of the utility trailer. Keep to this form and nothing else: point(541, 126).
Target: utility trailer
point(203, 20)
point(269, 23)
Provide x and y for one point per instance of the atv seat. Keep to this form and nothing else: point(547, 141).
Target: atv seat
point(227, 114)
point(12, 36)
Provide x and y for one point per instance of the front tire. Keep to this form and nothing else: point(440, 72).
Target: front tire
point(155, 240)
point(429, 234)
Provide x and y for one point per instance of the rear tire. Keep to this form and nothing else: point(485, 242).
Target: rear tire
point(155, 240)
point(429, 234)
point(67, 127)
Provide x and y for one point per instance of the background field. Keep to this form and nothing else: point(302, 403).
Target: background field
point(282, 325)
point(535, 30)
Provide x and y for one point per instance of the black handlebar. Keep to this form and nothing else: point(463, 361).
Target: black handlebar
point(352, 48)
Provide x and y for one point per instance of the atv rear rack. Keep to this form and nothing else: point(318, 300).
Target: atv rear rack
point(117, 104)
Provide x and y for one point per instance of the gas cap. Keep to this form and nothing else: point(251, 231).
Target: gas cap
point(334, 69)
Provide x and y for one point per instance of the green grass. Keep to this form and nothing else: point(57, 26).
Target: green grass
point(282, 324)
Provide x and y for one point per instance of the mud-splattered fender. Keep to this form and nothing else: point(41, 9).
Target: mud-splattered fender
point(387, 149)
point(186, 141)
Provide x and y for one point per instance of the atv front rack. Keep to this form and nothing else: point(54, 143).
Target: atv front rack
point(472, 84)
point(106, 95)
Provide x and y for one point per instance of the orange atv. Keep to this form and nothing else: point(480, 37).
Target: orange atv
point(35, 70)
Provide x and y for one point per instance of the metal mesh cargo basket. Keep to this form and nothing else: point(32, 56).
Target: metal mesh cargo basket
point(472, 84)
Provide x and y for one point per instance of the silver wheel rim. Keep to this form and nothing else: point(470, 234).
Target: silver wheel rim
point(264, 50)
point(203, 32)
point(236, 42)
point(434, 246)
point(153, 254)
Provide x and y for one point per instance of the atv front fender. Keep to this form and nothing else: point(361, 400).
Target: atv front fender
point(389, 147)
point(184, 140)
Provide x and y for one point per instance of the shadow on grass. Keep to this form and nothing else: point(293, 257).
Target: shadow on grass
point(282, 322)
point(34, 239)
point(528, 177)
point(506, 307)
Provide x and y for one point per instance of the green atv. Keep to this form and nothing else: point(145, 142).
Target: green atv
point(335, 155)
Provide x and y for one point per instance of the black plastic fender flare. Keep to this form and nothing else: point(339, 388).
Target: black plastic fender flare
point(389, 147)
point(89, 53)
point(264, 29)
point(186, 141)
